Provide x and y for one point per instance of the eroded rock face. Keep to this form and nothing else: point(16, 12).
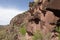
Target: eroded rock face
point(38, 22)
point(19, 19)
point(37, 19)
point(45, 24)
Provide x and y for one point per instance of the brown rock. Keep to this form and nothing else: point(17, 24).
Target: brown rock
point(50, 17)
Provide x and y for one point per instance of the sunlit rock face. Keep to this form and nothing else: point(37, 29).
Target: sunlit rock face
point(37, 19)
point(36, 22)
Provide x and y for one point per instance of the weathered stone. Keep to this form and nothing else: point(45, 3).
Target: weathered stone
point(50, 17)
point(37, 18)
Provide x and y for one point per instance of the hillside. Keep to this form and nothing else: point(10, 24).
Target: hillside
point(37, 23)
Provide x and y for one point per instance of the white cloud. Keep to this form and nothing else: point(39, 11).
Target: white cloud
point(6, 14)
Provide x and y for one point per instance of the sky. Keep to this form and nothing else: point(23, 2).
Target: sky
point(11, 8)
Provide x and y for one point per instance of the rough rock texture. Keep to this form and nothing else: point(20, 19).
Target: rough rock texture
point(37, 19)
point(55, 4)
point(38, 23)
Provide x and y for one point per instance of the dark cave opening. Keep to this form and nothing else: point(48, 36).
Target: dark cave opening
point(55, 11)
point(36, 20)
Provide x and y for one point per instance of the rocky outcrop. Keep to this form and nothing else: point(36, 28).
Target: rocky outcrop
point(38, 23)
point(37, 19)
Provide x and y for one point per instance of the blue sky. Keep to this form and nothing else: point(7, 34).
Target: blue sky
point(10, 8)
point(19, 4)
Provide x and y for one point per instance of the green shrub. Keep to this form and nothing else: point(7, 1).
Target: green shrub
point(59, 36)
point(57, 29)
point(37, 36)
point(23, 29)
